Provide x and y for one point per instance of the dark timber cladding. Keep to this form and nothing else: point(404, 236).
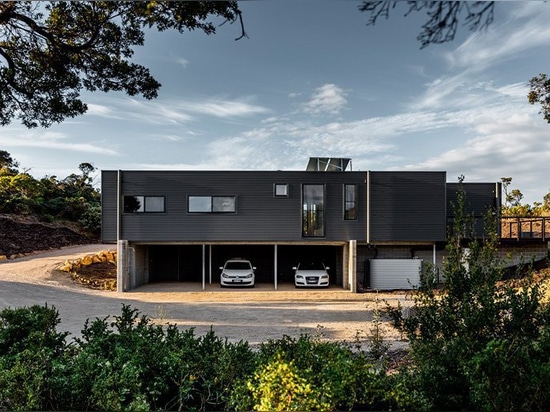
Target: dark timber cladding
point(407, 206)
point(259, 215)
point(479, 199)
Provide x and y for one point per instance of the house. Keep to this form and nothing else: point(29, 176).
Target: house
point(374, 229)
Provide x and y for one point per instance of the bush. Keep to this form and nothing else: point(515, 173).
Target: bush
point(306, 374)
point(477, 342)
point(30, 350)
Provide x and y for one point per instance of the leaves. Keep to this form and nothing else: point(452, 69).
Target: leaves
point(51, 51)
point(540, 94)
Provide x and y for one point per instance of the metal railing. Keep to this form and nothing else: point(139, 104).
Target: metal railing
point(525, 228)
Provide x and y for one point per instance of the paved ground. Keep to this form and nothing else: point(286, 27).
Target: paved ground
point(254, 315)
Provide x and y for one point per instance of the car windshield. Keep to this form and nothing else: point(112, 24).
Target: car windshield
point(237, 265)
point(311, 266)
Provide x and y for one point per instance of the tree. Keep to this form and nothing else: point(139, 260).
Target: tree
point(477, 342)
point(443, 16)
point(51, 51)
point(540, 93)
point(7, 164)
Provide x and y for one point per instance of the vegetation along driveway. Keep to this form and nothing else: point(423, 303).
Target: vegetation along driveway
point(255, 315)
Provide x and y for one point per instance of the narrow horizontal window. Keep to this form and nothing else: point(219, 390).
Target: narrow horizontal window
point(223, 204)
point(144, 204)
point(154, 204)
point(199, 204)
point(211, 204)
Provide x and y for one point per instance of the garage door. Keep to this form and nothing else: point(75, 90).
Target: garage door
point(388, 274)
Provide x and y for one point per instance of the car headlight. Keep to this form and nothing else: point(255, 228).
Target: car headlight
point(224, 275)
point(249, 275)
point(299, 277)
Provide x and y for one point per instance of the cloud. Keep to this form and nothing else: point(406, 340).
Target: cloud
point(16, 137)
point(222, 108)
point(174, 111)
point(513, 146)
point(499, 43)
point(182, 62)
point(328, 98)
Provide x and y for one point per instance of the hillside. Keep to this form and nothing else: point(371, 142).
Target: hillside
point(21, 235)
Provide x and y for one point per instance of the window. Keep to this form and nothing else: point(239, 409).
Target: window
point(198, 204)
point(313, 210)
point(211, 204)
point(350, 199)
point(280, 190)
point(144, 204)
point(223, 204)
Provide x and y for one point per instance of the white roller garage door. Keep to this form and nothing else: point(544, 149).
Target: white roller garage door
point(388, 274)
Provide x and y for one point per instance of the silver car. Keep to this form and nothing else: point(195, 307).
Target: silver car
point(237, 272)
point(311, 274)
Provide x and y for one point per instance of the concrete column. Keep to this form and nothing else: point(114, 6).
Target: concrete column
point(275, 266)
point(352, 265)
point(203, 267)
point(122, 273)
point(345, 267)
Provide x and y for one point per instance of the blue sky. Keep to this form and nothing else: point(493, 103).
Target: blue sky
point(313, 79)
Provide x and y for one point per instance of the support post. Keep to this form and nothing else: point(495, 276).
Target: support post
point(275, 265)
point(203, 267)
point(122, 266)
point(352, 265)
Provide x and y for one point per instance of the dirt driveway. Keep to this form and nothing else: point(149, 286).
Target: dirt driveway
point(255, 315)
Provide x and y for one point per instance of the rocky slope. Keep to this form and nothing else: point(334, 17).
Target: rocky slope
point(21, 235)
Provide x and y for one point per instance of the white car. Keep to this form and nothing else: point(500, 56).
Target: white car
point(237, 272)
point(311, 274)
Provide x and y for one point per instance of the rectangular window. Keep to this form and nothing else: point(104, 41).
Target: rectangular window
point(211, 204)
point(350, 200)
point(280, 190)
point(313, 210)
point(144, 204)
point(223, 204)
point(199, 204)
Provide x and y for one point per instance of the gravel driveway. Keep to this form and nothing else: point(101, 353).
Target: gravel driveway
point(255, 315)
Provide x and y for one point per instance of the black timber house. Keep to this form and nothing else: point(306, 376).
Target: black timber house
point(374, 229)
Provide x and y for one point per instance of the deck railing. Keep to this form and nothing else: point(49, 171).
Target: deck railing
point(525, 228)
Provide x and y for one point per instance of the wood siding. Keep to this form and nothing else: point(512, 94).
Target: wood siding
point(479, 199)
point(407, 206)
point(108, 206)
point(259, 216)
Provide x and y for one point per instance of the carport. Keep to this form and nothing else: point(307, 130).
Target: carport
point(155, 263)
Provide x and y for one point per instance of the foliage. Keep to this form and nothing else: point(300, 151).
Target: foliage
point(308, 374)
point(74, 198)
point(443, 16)
point(50, 51)
point(477, 342)
point(540, 93)
point(442, 22)
point(129, 363)
point(514, 208)
point(30, 349)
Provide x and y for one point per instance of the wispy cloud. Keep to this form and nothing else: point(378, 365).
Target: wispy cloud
point(175, 111)
point(499, 43)
point(16, 137)
point(222, 108)
point(328, 98)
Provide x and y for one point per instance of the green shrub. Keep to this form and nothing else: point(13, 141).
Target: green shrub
point(477, 342)
point(30, 350)
point(131, 364)
point(318, 375)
